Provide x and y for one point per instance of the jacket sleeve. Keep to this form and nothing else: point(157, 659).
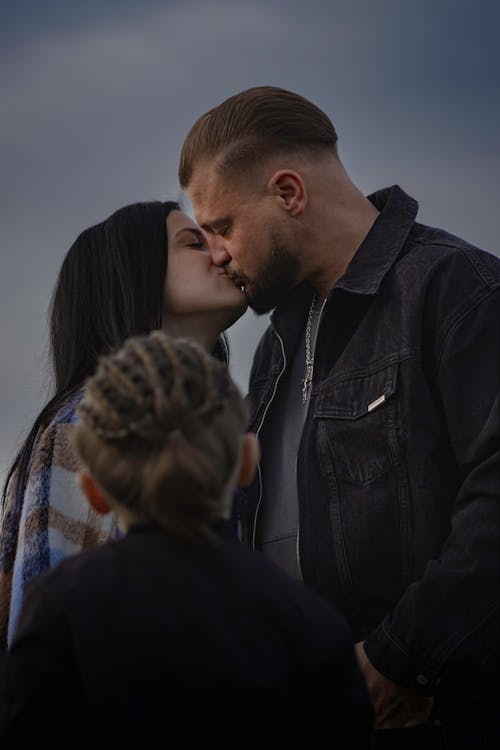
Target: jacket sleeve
point(452, 612)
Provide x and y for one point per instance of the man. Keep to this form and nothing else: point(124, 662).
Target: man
point(374, 392)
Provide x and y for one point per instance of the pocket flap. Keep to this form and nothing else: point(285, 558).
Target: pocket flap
point(353, 397)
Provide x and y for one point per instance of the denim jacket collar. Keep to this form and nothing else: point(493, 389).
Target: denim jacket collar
point(382, 245)
point(367, 269)
point(289, 318)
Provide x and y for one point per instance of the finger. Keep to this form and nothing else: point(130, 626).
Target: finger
point(387, 713)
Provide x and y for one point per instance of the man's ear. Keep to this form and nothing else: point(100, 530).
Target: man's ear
point(289, 187)
point(249, 458)
point(93, 494)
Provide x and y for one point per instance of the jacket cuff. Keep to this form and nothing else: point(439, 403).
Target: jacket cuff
point(397, 663)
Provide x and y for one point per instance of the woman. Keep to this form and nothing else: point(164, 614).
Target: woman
point(113, 284)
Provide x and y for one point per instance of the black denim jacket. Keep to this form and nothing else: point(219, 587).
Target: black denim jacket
point(398, 468)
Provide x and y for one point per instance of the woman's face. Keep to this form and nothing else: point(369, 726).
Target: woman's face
point(194, 287)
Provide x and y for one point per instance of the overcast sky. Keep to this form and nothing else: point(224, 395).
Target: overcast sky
point(96, 97)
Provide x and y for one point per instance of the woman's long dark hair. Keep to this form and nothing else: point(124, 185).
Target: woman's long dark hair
point(110, 287)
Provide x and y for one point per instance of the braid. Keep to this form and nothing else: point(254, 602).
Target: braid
point(147, 387)
point(166, 415)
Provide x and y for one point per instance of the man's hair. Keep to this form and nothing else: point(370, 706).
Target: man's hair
point(252, 125)
point(159, 429)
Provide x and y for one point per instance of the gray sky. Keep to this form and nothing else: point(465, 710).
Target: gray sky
point(96, 97)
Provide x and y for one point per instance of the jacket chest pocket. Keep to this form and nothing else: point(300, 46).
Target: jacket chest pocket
point(361, 418)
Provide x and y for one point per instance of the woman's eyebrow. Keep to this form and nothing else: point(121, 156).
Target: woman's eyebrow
point(194, 230)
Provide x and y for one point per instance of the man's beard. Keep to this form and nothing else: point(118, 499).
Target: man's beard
point(276, 281)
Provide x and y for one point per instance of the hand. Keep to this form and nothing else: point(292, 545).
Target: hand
point(394, 705)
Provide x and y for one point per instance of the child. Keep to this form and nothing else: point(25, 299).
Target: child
point(176, 628)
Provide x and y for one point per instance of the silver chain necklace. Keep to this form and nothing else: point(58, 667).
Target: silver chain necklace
point(308, 372)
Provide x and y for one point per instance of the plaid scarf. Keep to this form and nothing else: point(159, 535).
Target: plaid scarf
point(49, 521)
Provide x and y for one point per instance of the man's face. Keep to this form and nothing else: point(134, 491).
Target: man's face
point(248, 234)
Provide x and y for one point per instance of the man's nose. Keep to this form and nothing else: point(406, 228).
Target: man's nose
point(218, 252)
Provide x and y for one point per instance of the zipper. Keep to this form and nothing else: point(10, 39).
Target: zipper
point(297, 553)
point(254, 532)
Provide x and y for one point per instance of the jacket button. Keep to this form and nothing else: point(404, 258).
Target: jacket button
point(422, 680)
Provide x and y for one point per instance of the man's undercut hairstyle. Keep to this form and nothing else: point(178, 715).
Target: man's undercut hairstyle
point(252, 125)
point(159, 428)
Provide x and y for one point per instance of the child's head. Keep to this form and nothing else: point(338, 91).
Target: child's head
point(161, 431)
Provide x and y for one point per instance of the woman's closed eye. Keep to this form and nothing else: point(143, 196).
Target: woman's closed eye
point(192, 239)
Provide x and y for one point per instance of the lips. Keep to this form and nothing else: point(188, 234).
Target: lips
point(239, 283)
point(237, 280)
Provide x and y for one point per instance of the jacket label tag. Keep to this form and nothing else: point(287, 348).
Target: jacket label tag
point(377, 402)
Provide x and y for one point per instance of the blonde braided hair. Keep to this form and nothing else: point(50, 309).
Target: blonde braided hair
point(159, 428)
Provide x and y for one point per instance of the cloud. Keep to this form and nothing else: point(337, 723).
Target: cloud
point(94, 114)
